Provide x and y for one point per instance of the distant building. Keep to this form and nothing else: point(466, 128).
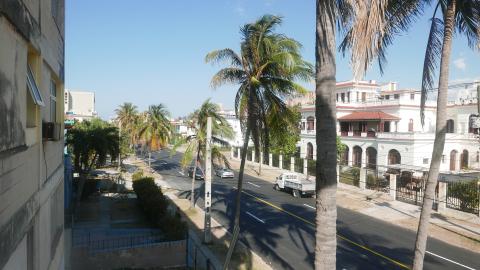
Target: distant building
point(32, 49)
point(79, 105)
point(234, 122)
point(181, 128)
point(380, 125)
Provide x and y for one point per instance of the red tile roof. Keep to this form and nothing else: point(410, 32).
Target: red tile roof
point(378, 115)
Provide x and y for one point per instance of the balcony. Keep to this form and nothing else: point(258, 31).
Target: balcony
point(307, 132)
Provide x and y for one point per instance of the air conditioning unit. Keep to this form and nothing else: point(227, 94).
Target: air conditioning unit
point(51, 131)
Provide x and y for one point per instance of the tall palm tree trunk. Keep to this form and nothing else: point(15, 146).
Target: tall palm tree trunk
point(236, 223)
point(438, 144)
point(192, 193)
point(326, 174)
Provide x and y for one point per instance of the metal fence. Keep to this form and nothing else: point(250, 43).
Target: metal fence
point(311, 167)
point(286, 162)
point(275, 160)
point(376, 180)
point(463, 196)
point(411, 187)
point(298, 166)
point(349, 175)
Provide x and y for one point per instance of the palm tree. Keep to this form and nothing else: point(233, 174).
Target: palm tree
point(127, 115)
point(196, 144)
point(325, 113)
point(373, 31)
point(266, 70)
point(156, 130)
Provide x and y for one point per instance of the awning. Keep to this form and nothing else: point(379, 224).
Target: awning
point(365, 116)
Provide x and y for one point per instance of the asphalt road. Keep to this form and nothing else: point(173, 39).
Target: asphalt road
point(281, 229)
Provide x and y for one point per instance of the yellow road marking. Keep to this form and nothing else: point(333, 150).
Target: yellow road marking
point(338, 235)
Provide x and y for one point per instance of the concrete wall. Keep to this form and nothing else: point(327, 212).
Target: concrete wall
point(31, 169)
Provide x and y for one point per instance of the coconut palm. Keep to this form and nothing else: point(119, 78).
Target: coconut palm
point(156, 130)
point(196, 143)
point(373, 31)
point(265, 70)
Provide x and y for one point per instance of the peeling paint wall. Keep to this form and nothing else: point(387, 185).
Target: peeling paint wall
point(31, 169)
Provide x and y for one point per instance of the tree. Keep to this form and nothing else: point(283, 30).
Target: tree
point(127, 115)
point(91, 143)
point(196, 144)
point(377, 22)
point(156, 129)
point(284, 130)
point(266, 70)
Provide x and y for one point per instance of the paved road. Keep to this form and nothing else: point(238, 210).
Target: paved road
point(280, 228)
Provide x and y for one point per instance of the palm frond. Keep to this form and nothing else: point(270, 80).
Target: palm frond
point(224, 55)
point(227, 75)
point(430, 63)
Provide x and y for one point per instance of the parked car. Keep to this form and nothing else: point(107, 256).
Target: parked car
point(198, 173)
point(224, 173)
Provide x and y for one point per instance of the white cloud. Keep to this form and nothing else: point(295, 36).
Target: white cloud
point(460, 63)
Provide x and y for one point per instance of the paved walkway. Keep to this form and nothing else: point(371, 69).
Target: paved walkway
point(456, 228)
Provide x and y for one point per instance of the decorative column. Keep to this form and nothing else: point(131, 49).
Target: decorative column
point(280, 161)
point(393, 186)
point(253, 156)
point(338, 173)
point(305, 167)
point(239, 153)
point(270, 160)
point(292, 164)
point(442, 196)
point(363, 178)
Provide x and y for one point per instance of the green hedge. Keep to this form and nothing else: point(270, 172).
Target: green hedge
point(137, 175)
point(155, 206)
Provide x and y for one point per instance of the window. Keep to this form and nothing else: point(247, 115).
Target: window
point(337, 96)
point(410, 125)
point(425, 160)
point(412, 96)
point(396, 96)
point(32, 87)
point(348, 97)
point(450, 126)
point(343, 97)
point(53, 101)
point(478, 156)
point(387, 97)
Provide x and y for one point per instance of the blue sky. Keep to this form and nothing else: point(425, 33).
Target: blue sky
point(152, 51)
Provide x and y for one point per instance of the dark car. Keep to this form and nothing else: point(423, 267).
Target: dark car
point(198, 173)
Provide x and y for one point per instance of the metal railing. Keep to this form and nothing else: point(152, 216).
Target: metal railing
point(463, 196)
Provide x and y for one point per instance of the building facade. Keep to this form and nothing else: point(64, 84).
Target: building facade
point(79, 105)
point(31, 137)
point(380, 125)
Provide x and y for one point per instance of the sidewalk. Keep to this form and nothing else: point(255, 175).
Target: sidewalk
point(459, 230)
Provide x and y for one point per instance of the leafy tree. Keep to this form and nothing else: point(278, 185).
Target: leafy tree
point(196, 144)
point(284, 131)
point(91, 143)
point(266, 70)
point(376, 24)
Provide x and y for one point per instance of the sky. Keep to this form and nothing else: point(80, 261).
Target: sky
point(152, 51)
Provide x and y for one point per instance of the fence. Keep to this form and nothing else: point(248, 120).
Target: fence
point(286, 162)
point(375, 180)
point(349, 175)
point(411, 187)
point(463, 196)
point(298, 167)
point(276, 160)
point(199, 257)
point(311, 167)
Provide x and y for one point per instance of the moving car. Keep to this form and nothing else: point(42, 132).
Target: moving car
point(224, 173)
point(198, 173)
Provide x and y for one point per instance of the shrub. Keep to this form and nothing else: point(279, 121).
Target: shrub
point(137, 175)
point(155, 205)
point(371, 181)
point(356, 176)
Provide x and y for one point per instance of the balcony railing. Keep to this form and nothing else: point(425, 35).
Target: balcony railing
point(308, 131)
point(406, 135)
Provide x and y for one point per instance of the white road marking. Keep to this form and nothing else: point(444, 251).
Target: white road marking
point(309, 206)
point(448, 260)
point(259, 220)
point(253, 184)
point(180, 172)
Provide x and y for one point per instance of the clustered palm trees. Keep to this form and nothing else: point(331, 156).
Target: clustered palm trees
point(269, 64)
point(151, 128)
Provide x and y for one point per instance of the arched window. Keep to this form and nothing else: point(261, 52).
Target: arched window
point(450, 126)
point(309, 150)
point(453, 160)
point(371, 158)
point(471, 128)
point(310, 123)
point(464, 160)
point(357, 156)
point(394, 157)
point(410, 125)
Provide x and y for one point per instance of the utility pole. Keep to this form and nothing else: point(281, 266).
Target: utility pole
point(119, 146)
point(208, 184)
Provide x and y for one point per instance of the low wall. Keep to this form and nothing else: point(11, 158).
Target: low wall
point(161, 255)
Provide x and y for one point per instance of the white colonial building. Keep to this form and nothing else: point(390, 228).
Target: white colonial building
point(380, 125)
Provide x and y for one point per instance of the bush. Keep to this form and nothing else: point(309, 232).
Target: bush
point(137, 175)
point(356, 176)
point(371, 181)
point(155, 206)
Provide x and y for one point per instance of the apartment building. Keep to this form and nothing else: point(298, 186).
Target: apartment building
point(31, 134)
point(79, 105)
point(380, 125)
